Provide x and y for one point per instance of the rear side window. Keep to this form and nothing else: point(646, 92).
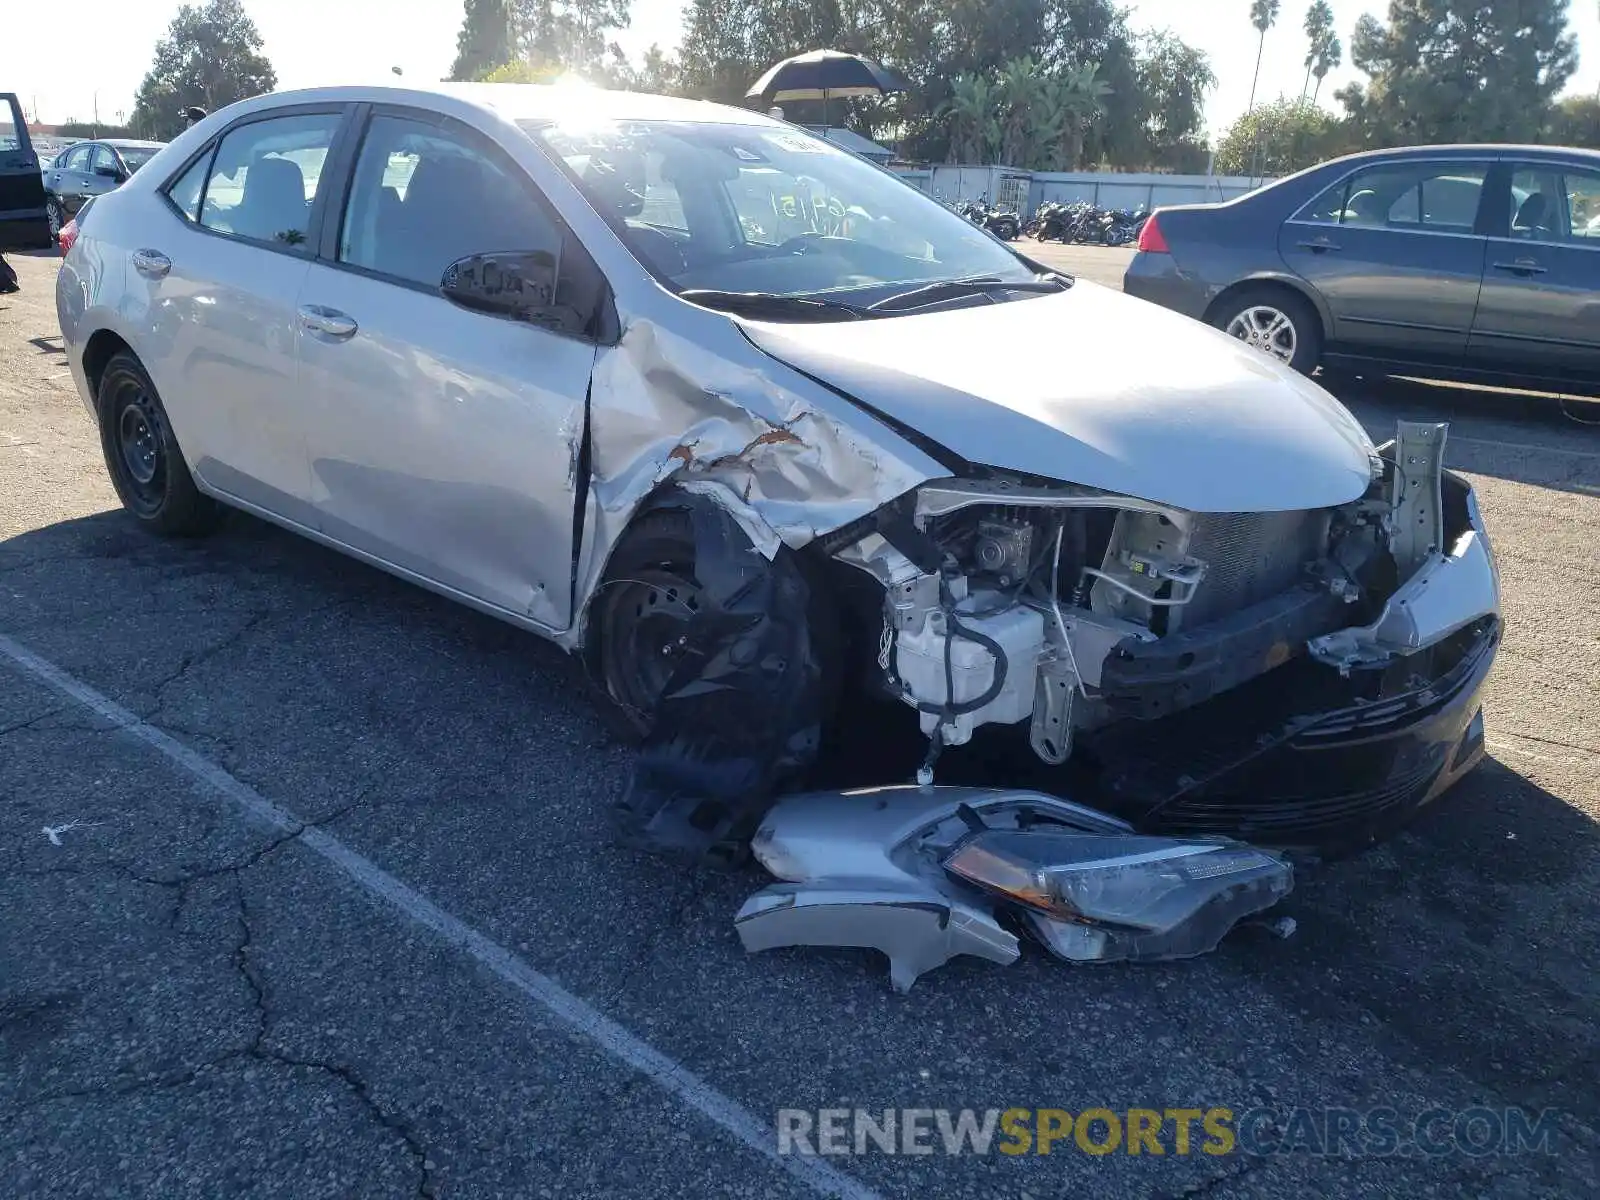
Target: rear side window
point(1437, 197)
point(424, 196)
point(185, 191)
point(264, 177)
point(76, 159)
point(1556, 204)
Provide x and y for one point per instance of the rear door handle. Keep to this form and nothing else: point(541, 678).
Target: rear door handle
point(329, 321)
point(152, 263)
point(1321, 246)
point(1523, 266)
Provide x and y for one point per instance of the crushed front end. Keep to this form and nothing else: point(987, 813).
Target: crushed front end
point(1299, 679)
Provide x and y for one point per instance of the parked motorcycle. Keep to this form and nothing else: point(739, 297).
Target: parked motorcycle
point(1083, 223)
point(1001, 222)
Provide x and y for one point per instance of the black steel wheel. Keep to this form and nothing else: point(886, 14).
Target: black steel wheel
point(142, 456)
point(639, 628)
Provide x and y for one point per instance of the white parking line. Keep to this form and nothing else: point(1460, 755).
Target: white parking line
point(581, 1018)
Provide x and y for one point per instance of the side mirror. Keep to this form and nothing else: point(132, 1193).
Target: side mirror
point(518, 284)
point(110, 171)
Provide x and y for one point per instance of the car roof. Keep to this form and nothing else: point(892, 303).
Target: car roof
point(131, 144)
point(1477, 150)
point(539, 101)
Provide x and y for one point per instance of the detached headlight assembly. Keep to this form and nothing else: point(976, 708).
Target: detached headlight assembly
point(1095, 898)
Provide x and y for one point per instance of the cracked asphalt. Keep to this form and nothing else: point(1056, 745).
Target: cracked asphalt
point(192, 1004)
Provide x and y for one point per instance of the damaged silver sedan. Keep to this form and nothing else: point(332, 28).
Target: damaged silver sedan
point(760, 431)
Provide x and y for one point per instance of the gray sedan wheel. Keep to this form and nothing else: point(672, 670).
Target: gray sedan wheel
point(52, 213)
point(1275, 322)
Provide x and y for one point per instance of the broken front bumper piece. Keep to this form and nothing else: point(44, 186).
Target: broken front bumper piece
point(925, 874)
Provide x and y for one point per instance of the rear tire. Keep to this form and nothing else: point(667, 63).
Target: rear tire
point(142, 456)
point(1275, 321)
point(52, 213)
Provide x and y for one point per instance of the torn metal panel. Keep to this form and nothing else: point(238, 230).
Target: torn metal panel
point(916, 930)
point(788, 459)
point(925, 874)
point(1415, 494)
point(1447, 593)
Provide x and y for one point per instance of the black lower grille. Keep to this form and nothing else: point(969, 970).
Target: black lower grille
point(1272, 814)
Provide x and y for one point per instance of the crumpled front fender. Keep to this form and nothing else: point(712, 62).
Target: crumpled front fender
point(686, 401)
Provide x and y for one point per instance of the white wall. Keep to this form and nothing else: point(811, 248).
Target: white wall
point(1110, 189)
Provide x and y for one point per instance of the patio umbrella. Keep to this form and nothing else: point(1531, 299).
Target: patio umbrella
point(822, 75)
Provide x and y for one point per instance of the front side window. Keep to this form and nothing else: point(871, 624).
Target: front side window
point(424, 196)
point(1550, 204)
point(104, 161)
point(264, 178)
point(763, 209)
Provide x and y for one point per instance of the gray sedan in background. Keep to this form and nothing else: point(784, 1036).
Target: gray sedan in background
point(1462, 262)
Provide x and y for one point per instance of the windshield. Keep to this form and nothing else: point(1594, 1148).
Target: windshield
point(137, 156)
point(739, 208)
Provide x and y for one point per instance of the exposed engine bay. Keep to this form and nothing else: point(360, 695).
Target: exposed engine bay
point(1009, 602)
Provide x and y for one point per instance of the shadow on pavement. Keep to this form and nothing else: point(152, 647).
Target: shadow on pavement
point(1530, 437)
point(1463, 940)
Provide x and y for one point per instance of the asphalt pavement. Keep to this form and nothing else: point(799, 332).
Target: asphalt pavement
point(306, 890)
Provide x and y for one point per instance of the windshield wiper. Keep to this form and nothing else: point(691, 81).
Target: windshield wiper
point(951, 289)
point(774, 305)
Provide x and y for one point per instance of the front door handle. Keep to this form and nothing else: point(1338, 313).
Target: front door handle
point(1321, 246)
point(329, 321)
point(151, 263)
point(1523, 266)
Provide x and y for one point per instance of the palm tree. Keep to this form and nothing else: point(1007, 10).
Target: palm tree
point(1073, 100)
point(1018, 93)
point(1263, 13)
point(1319, 29)
point(1329, 58)
point(970, 111)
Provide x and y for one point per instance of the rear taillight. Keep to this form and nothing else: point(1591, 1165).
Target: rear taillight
point(1151, 240)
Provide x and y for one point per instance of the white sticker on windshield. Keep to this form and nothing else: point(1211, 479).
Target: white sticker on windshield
point(790, 141)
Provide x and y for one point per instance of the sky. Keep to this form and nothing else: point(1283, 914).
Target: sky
point(344, 41)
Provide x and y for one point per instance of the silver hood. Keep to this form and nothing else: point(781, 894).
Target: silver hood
point(1096, 388)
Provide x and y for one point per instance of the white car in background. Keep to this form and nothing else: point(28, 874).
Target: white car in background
point(617, 370)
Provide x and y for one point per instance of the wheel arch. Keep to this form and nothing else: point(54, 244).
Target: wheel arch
point(98, 351)
point(1272, 280)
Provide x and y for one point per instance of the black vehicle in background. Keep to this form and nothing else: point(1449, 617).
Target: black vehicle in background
point(1460, 262)
point(23, 224)
point(90, 169)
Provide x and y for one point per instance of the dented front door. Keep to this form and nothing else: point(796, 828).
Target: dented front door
point(442, 441)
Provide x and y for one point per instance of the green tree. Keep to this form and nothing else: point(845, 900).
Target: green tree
point(211, 57)
point(1174, 78)
point(973, 128)
point(1018, 96)
point(575, 35)
point(1263, 14)
point(1575, 121)
point(1076, 97)
point(1319, 32)
point(657, 72)
point(487, 39)
point(1280, 138)
point(1459, 70)
point(522, 71)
